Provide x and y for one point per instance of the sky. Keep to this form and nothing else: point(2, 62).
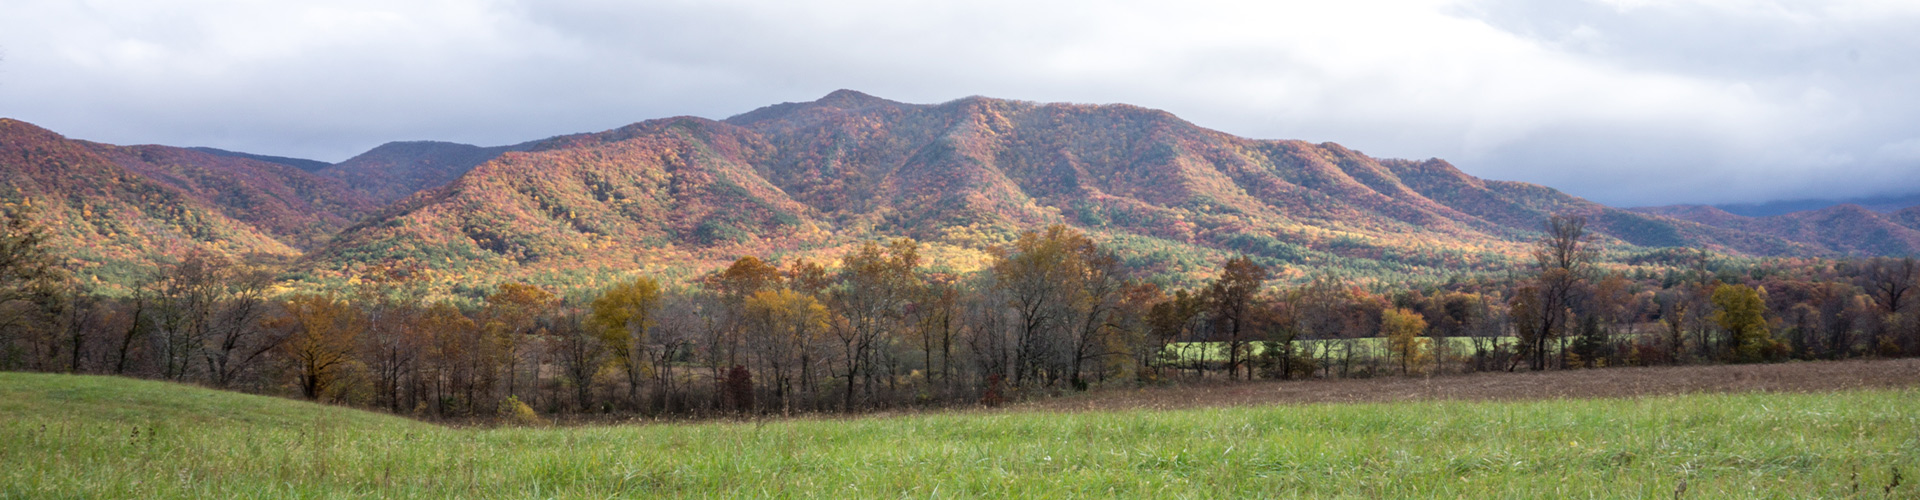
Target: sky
point(1626, 102)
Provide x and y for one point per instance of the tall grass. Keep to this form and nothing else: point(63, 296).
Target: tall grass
point(90, 437)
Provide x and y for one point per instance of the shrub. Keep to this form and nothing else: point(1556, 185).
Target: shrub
point(519, 413)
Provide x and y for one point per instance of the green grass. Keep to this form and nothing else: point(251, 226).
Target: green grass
point(91, 437)
point(1329, 348)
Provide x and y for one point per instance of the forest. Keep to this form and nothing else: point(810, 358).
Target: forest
point(1055, 312)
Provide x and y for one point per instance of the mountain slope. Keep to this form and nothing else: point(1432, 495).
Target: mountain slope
point(802, 178)
point(299, 163)
point(1909, 217)
point(294, 206)
point(1882, 204)
point(805, 180)
point(612, 201)
point(115, 222)
point(1839, 229)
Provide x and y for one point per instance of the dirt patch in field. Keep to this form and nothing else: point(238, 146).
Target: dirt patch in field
point(1599, 383)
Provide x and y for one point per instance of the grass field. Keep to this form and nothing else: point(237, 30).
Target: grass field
point(91, 437)
point(1333, 348)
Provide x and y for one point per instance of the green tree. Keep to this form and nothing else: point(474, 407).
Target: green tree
point(1741, 314)
point(30, 279)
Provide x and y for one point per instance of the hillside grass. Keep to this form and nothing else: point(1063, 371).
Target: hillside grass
point(91, 437)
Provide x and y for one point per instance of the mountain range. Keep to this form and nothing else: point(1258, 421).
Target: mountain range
point(677, 196)
point(1883, 204)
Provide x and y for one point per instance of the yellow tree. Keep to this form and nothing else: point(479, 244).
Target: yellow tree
point(623, 314)
point(325, 333)
point(513, 313)
point(789, 322)
point(458, 358)
point(746, 276)
point(1403, 328)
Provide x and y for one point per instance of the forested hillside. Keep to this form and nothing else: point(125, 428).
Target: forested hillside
point(680, 196)
point(1839, 229)
point(117, 213)
point(807, 179)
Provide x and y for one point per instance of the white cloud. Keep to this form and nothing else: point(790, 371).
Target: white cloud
point(1718, 100)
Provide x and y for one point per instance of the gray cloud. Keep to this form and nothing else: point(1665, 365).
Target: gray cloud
point(1626, 102)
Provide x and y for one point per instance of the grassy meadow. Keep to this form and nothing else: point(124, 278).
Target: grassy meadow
point(67, 436)
point(1190, 352)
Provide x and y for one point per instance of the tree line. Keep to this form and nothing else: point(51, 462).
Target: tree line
point(1054, 312)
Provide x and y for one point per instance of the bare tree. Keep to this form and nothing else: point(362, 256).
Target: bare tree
point(1564, 258)
point(1890, 281)
point(875, 284)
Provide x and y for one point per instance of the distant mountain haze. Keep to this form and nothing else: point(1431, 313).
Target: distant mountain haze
point(1840, 229)
point(1885, 204)
point(676, 196)
point(299, 163)
point(396, 170)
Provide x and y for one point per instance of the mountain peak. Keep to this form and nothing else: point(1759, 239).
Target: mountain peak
point(852, 99)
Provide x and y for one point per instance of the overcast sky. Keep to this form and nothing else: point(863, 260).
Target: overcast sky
point(1627, 102)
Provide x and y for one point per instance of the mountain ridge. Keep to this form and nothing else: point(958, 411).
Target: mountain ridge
point(965, 175)
point(678, 195)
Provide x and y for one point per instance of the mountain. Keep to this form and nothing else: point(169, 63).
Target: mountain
point(1883, 204)
point(113, 221)
point(1909, 217)
point(802, 179)
point(299, 163)
point(675, 197)
point(395, 170)
point(611, 201)
point(291, 205)
point(1840, 229)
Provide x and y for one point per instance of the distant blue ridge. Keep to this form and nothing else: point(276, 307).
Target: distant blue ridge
point(1883, 204)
